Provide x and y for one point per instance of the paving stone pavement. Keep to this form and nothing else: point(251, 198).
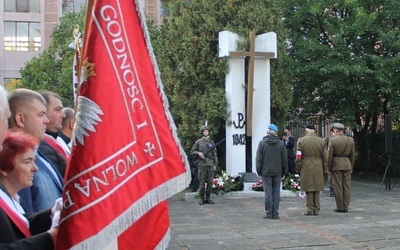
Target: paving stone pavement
point(373, 222)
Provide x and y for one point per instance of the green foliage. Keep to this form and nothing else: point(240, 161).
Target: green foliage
point(52, 70)
point(346, 59)
point(186, 46)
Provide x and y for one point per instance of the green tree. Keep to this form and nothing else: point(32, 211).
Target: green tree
point(346, 55)
point(186, 46)
point(52, 69)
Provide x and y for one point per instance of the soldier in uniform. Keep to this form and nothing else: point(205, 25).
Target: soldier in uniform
point(341, 157)
point(207, 163)
point(313, 167)
point(330, 178)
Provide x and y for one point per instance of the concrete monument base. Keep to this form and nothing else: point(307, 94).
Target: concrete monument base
point(241, 194)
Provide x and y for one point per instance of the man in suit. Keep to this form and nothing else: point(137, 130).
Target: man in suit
point(289, 143)
point(65, 134)
point(341, 158)
point(313, 167)
point(49, 146)
point(28, 114)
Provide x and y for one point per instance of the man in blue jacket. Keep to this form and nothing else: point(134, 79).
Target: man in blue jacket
point(272, 165)
point(28, 114)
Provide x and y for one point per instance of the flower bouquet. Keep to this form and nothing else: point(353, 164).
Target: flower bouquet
point(258, 186)
point(292, 183)
point(226, 183)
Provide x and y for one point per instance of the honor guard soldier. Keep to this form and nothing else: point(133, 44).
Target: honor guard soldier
point(204, 149)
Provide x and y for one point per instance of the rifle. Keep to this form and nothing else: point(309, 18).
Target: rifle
point(206, 152)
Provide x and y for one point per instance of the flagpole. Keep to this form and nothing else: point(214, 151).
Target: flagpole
point(82, 51)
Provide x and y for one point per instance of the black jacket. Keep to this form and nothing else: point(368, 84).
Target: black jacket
point(11, 236)
point(271, 159)
point(290, 148)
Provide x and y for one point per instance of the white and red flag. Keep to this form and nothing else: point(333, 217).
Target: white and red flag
point(126, 158)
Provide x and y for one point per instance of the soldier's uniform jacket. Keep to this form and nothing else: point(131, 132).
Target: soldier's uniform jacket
point(341, 153)
point(313, 163)
point(202, 145)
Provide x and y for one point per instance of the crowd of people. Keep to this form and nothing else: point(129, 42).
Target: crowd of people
point(35, 142)
point(314, 158)
point(35, 134)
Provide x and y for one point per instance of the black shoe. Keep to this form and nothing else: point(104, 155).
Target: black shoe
point(267, 217)
point(201, 202)
point(309, 213)
point(338, 211)
point(209, 201)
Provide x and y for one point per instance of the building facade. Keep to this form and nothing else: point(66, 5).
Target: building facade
point(26, 26)
point(153, 9)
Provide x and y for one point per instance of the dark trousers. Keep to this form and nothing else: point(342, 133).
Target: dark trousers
point(272, 195)
point(292, 166)
point(195, 178)
point(330, 180)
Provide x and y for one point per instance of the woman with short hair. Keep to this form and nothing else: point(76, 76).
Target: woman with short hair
point(17, 169)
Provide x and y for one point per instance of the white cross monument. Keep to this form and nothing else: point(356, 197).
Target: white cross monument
point(258, 115)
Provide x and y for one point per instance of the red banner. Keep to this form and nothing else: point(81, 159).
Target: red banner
point(126, 158)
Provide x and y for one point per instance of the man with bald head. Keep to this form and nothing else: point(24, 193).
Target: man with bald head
point(4, 114)
point(28, 114)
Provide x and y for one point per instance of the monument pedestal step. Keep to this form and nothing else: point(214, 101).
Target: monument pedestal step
point(241, 194)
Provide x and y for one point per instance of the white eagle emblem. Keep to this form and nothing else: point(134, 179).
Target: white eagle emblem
point(87, 117)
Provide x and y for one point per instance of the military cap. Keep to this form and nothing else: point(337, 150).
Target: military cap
point(338, 126)
point(310, 126)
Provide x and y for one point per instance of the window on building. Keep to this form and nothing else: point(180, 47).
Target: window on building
point(32, 6)
point(22, 36)
point(7, 80)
